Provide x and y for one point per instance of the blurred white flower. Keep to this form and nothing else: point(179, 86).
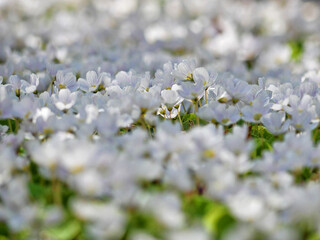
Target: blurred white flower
point(65, 99)
point(31, 86)
point(246, 206)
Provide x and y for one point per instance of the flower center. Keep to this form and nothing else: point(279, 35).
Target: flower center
point(190, 77)
point(257, 116)
point(225, 120)
point(208, 153)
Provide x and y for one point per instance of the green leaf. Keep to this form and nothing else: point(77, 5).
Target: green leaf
point(189, 120)
point(297, 49)
point(306, 174)
point(152, 186)
point(10, 123)
point(4, 230)
point(39, 192)
point(214, 215)
point(196, 206)
point(263, 140)
point(314, 237)
point(258, 131)
point(66, 231)
point(142, 221)
point(316, 135)
point(218, 220)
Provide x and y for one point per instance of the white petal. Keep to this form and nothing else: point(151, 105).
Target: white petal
point(92, 78)
point(83, 84)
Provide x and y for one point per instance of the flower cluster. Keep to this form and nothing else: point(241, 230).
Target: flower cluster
point(152, 120)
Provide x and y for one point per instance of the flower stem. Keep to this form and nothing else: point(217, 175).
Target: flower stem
point(196, 105)
point(149, 130)
point(180, 119)
point(56, 188)
point(10, 125)
point(51, 85)
point(206, 96)
point(184, 108)
point(145, 126)
point(57, 192)
point(17, 125)
point(249, 131)
point(196, 109)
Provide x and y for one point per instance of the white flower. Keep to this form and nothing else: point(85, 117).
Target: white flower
point(303, 121)
point(89, 183)
point(30, 87)
point(47, 154)
point(44, 119)
point(109, 218)
point(164, 77)
point(25, 108)
point(308, 87)
point(246, 206)
point(5, 103)
point(218, 112)
point(179, 178)
point(65, 99)
point(170, 98)
point(125, 80)
point(184, 70)
point(92, 81)
point(15, 82)
point(258, 107)
point(3, 130)
point(313, 76)
point(237, 89)
point(142, 236)
point(299, 105)
point(191, 91)
point(201, 75)
point(107, 124)
point(67, 80)
point(77, 160)
point(167, 211)
point(275, 122)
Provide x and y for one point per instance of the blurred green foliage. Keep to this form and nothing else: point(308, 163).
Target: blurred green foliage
point(215, 216)
point(297, 49)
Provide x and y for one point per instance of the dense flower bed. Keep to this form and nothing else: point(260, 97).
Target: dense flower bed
point(149, 119)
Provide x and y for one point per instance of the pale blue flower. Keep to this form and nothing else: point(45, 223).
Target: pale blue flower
point(275, 122)
point(221, 113)
point(191, 91)
point(236, 88)
point(31, 86)
point(92, 81)
point(64, 100)
point(66, 80)
point(184, 70)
